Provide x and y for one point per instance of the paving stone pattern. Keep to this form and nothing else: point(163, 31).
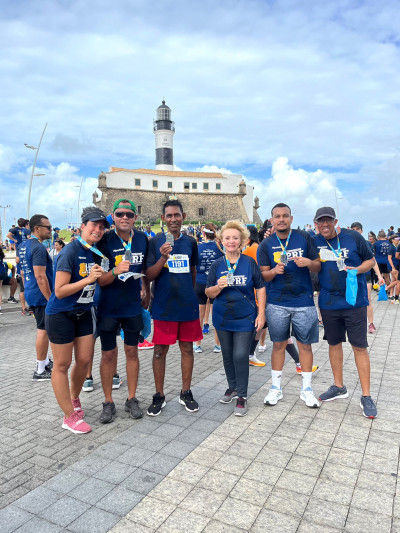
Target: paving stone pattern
point(285, 468)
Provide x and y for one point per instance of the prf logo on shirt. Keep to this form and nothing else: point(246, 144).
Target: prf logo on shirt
point(296, 252)
point(137, 258)
point(85, 268)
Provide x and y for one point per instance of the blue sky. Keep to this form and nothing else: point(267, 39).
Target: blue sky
point(300, 97)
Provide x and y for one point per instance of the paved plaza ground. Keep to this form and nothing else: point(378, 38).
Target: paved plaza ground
point(285, 468)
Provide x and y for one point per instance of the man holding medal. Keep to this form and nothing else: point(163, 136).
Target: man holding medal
point(124, 290)
point(342, 250)
point(286, 258)
point(171, 262)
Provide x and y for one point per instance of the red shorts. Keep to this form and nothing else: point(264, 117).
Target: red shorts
point(168, 333)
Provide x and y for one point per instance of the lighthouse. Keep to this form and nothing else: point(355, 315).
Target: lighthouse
point(164, 129)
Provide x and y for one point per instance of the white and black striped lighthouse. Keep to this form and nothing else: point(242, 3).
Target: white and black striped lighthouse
point(164, 129)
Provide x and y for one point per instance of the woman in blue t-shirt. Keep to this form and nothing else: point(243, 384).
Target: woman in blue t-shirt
point(231, 282)
point(69, 321)
point(209, 251)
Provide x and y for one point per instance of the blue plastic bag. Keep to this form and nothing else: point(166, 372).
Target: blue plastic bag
point(351, 287)
point(146, 325)
point(382, 296)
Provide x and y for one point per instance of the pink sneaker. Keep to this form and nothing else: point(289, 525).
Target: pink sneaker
point(371, 328)
point(76, 424)
point(145, 345)
point(76, 404)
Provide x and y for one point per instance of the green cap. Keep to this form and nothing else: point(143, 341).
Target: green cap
point(124, 201)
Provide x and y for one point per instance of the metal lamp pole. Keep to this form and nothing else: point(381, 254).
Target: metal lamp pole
point(33, 168)
point(79, 197)
point(4, 207)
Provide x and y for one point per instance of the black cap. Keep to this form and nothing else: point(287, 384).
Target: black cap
point(95, 215)
point(325, 212)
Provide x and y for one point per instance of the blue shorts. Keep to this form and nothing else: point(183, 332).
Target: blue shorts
point(304, 321)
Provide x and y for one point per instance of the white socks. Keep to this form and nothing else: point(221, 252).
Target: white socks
point(40, 366)
point(306, 379)
point(276, 378)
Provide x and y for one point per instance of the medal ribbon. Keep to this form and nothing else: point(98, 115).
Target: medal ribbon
point(92, 248)
point(126, 246)
point(287, 242)
point(337, 252)
point(231, 270)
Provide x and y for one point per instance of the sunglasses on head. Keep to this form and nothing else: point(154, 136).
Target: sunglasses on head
point(127, 214)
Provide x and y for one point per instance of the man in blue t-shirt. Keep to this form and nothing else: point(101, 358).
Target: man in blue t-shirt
point(341, 251)
point(21, 233)
point(37, 272)
point(149, 233)
point(384, 256)
point(286, 258)
point(171, 263)
point(120, 304)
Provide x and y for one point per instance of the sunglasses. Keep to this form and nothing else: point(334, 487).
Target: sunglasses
point(44, 226)
point(127, 214)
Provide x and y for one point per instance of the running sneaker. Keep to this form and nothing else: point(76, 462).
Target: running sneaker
point(368, 406)
point(88, 385)
point(158, 403)
point(23, 312)
point(12, 300)
point(241, 407)
point(44, 376)
point(186, 399)
point(307, 396)
point(76, 404)
point(217, 348)
point(107, 415)
point(145, 345)
point(49, 365)
point(396, 301)
point(133, 408)
point(389, 298)
point(117, 382)
point(261, 348)
point(206, 329)
point(371, 328)
point(273, 396)
point(313, 369)
point(334, 393)
point(253, 361)
point(228, 396)
point(197, 349)
point(76, 424)
point(320, 324)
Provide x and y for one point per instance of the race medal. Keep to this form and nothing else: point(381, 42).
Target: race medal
point(105, 264)
point(169, 239)
point(340, 263)
point(230, 278)
point(284, 258)
point(128, 256)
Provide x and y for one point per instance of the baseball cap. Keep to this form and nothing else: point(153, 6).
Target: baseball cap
point(325, 212)
point(124, 201)
point(95, 215)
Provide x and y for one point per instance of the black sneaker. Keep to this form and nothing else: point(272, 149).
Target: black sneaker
point(44, 376)
point(49, 366)
point(132, 407)
point(368, 406)
point(334, 393)
point(158, 403)
point(186, 399)
point(108, 412)
point(12, 300)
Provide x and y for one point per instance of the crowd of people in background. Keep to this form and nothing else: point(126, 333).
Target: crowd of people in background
point(112, 278)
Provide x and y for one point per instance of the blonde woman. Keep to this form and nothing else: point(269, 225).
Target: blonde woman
point(231, 281)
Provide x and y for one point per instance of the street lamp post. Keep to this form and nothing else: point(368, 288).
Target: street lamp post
point(79, 197)
point(4, 207)
point(337, 205)
point(33, 168)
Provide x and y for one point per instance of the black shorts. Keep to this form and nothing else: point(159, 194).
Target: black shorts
point(384, 269)
point(38, 313)
point(63, 328)
point(201, 294)
point(338, 322)
point(108, 328)
point(21, 283)
point(368, 277)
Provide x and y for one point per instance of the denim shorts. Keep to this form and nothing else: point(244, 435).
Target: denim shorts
point(304, 321)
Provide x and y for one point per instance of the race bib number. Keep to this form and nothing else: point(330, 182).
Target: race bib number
point(126, 275)
point(87, 295)
point(327, 255)
point(179, 264)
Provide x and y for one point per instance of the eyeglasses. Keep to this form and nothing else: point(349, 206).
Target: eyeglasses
point(325, 220)
point(127, 214)
point(44, 226)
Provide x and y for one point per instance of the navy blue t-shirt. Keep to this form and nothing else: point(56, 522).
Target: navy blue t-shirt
point(235, 309)
point(32, 253)
point(333, 281)
point(174, 296)
point(208, 253)
point(382, 250)
point(396, 262)
point(77, 260)
point(20, 235)
point(293, 288)
point(122, 298)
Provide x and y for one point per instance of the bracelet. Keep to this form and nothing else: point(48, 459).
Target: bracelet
point(113, 273)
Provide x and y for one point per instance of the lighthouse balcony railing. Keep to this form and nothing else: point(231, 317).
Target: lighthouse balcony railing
point(164, 125)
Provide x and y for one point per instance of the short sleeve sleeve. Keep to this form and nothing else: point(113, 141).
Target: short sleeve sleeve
point(312, 251)
point(262, 254)
point(194, 260)
point(39, 255)
point(363, 251)
point(151, 253)
point(257, 277)
point(66, 260)
point(212, 275)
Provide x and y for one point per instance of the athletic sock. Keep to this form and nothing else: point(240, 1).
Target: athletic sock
point(46, 361)
point(40, 366)
point(292, 351)
point(306, 379)
point(276, 378)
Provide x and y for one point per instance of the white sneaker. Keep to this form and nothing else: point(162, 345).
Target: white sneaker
point(261, 348)
point(253, 361)
point(273, 396)
point(308, 397)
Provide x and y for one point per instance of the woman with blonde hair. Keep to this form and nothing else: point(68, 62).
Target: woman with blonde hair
point(231, 281)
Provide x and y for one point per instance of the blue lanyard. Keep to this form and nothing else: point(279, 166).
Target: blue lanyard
point(337, 252)
point(231, 270)
point(89, 247)
point(126, 246)
point(287, 242)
